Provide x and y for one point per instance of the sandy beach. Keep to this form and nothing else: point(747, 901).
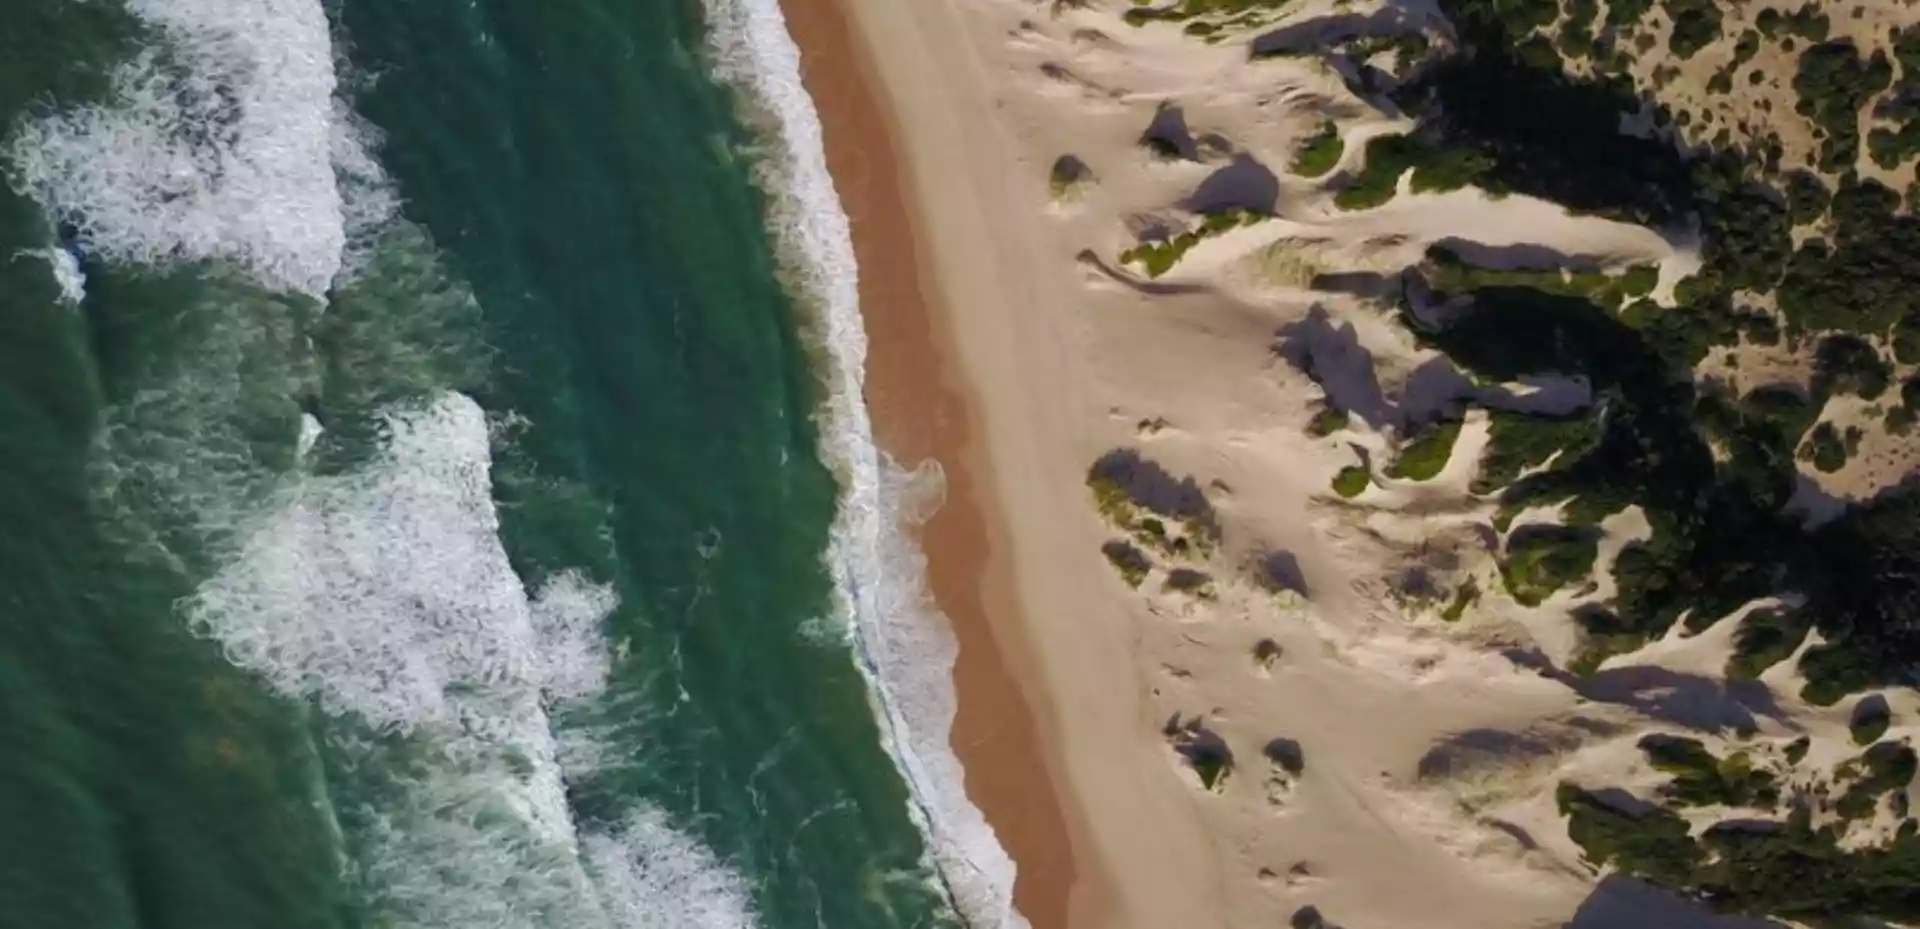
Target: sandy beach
point(1259, 694)
point(921, 416)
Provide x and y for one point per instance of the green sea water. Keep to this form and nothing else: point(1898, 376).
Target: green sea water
point(433, 538)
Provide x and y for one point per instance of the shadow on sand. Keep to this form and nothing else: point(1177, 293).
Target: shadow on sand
point(1624, 903)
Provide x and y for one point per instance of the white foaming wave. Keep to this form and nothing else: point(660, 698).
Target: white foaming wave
point(67, 274)
point(652, 876)
point(222, 144)
point(906, 650)
point(369, 206)
point(386, 595)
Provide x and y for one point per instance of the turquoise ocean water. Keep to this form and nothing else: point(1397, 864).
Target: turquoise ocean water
point(434, 484)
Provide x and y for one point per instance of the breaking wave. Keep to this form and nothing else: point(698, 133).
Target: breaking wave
point(384, 594)
point(905, 646)
point(223, 154)
point(219, 142)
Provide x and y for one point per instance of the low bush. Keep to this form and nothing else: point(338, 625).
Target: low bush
point(1517, 442)
point(1321, 153)
point(1870, 721)
point(1126, 558)
point(1436, 169)
point(1327, 422)
point(1700, 779)
point(1351, 481)
point(1542, 559)
point(1765, 638)
point(1426, 455)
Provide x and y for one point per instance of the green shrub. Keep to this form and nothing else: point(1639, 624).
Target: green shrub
point(1465, 596)
point(1848, 364)
point(1711, 473)
point(1542, 559)
point(1626, 14)
point(1266, 652)
point(1906, 340)
point(1652, 843)
point(1678, 756)
point(1185, 10)
point(1519, 441)
point(1426, 455)
point(1204, 750)
point(1700, 779)
point(1889, 147)
point(1190, 581)
point(1807, 197)
point(1132, 563)
point(1435, 168)
point(1321, 153)
point(1867, 279)
point(1765, 638)
point(1449, 273)
point(1808, 22)
point(1826, 449)
point(1287, 755)
point(1068, 176)
point(1639, 280)
point(1899, 420)
point(1351, 480)
point(1834, 82)
point(1213, 771)
point(1111, 498)
point(1870, 721)
point(1883, 768)
point(1157, 258)
point(1696, 25)
point(1327, 422)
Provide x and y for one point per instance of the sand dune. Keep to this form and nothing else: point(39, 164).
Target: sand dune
point(1272, 696)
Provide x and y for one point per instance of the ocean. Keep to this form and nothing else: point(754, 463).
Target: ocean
point(437, 488)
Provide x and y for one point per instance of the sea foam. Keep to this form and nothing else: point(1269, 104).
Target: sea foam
point(385, 595)
point(905, 647)
point(219, 143)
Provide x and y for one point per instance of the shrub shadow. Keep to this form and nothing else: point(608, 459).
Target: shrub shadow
point(1624, 903)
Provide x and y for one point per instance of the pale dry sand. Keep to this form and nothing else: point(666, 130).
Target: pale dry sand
point(1431, 748)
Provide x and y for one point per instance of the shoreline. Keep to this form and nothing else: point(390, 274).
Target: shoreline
point(921, 414)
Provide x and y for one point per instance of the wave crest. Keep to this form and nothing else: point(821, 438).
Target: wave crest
point(218, 144)
point(905, 648)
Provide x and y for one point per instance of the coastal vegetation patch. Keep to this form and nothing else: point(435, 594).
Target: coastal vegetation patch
point(1871, 719)
point(1427, 453)
point(1352, 481)
point(1321, 153)
point(1212, 15)
point(1699, 778)
point(1158, 257)
point(1327, 422)
point(1287, 755)
point(1068, 178)
point(1163, 516)
point(1202, 749)
point(1190, 581)
point(1537, 94)
point(1543, 558)
point(1788, 868)
point(1436, 169)
point(1766, 637)
point(1725, 466)
point(1519, 442)
point(1127, 558)
point(1448, 272)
